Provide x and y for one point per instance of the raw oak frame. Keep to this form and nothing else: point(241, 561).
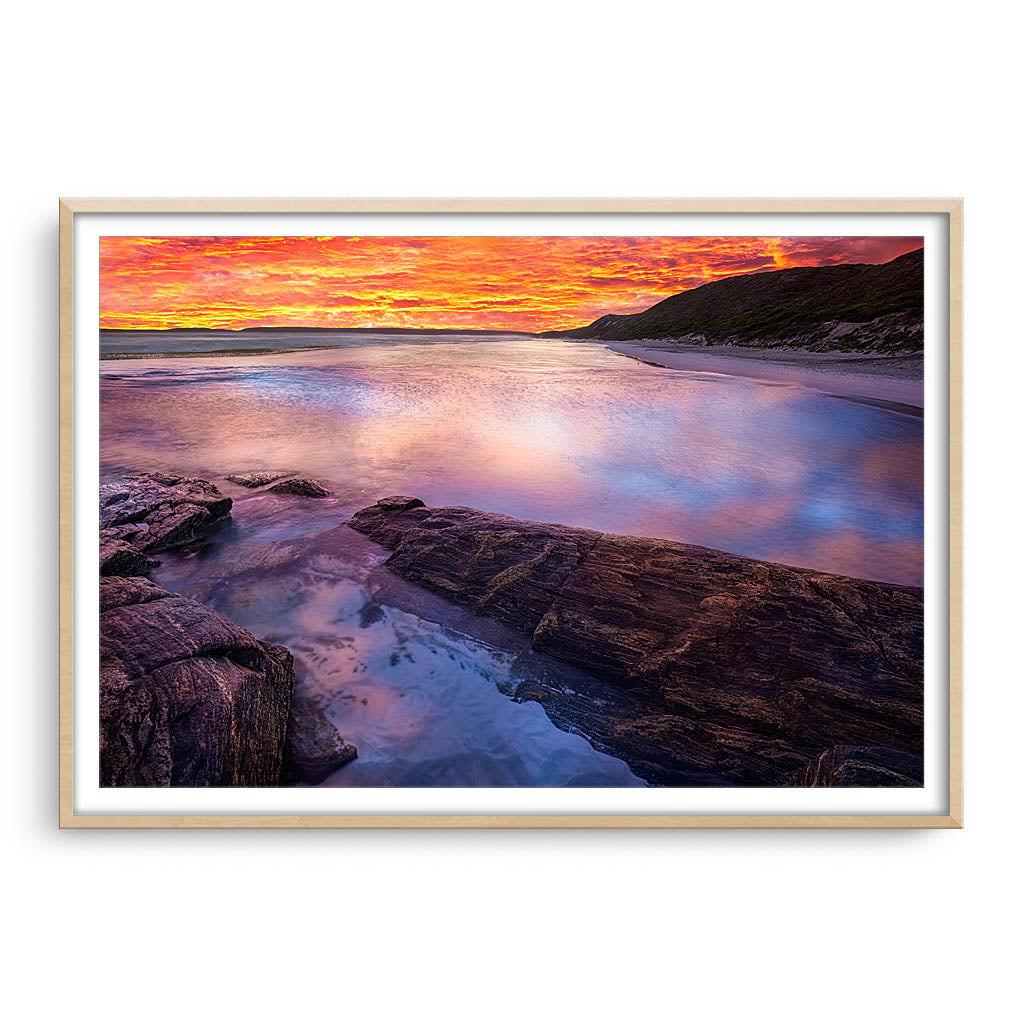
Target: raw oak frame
point(953, 208)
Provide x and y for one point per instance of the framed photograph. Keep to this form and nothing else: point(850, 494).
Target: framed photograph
point(514, 513)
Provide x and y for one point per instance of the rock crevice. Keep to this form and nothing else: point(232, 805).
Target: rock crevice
point(188, 697)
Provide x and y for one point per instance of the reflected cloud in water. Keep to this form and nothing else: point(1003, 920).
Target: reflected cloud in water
point(547, 430)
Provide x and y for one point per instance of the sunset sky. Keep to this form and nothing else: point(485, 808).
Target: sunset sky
point(504, 283)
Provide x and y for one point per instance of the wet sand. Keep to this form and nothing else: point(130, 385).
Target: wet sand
point(893, 382)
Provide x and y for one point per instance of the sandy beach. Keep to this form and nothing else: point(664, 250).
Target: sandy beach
point(896, 382)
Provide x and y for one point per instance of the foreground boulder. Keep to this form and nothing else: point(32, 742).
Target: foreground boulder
point(187, 697)
point(313, 747)
point(144, 513)
point(724, 670)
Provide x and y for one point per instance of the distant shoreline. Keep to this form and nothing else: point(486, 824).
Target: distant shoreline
point(219, 353)
point(895, 382)
point(230, 332)
point(261, 340)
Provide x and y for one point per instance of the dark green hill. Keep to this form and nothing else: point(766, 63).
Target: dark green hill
point(880, 307)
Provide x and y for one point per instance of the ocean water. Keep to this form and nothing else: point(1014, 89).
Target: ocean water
point(544, 430)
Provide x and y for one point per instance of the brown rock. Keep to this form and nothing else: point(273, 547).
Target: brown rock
point(724, 670)
point(187, 697)
point(259, 479)
point(156, 511)
point(302, 487)
point(119, 558)
point(862, 766)
point(313, 747)
point(507, 568)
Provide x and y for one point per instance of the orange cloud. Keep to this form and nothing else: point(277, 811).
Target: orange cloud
point(498, 283)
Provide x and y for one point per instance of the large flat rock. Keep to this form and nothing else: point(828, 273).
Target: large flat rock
point(725, 670)
point(506, 568)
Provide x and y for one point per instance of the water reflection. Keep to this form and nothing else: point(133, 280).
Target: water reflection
point(551, 431)
point(419, 687)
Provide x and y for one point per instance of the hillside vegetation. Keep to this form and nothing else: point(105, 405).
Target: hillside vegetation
point(861, 307)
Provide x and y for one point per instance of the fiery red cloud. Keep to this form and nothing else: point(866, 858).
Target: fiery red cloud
point(503, 283)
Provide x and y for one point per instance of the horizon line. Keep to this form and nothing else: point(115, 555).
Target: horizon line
point(333, 330)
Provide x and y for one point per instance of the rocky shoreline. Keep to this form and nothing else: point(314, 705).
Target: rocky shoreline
point(715, 669)
point(699, 667)
point(188, 697)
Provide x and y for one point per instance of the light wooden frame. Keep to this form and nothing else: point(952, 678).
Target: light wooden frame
point(952, 208)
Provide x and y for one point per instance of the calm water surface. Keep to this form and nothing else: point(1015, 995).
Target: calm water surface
point(544, 430)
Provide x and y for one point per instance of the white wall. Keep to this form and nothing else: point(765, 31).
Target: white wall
point(526, 99)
